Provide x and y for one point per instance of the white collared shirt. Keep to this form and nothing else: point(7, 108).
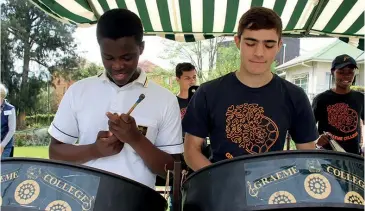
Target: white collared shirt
point(82, 114)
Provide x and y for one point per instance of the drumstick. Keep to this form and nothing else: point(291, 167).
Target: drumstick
point(141, 97)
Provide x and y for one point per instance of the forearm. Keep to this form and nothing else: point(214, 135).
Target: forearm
point(195, 159)
point(306, 146)
point(154, 158)
point(7, 138)
point(12, 128)
point(78, 154)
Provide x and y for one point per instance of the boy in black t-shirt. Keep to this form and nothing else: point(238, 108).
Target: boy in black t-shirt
point(185, 77)
point(338, 111)
point(250, 110)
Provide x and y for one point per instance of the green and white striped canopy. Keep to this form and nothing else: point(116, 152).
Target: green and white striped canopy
point(191, 20)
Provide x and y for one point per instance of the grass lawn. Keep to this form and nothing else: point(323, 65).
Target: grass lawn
point(31, 152)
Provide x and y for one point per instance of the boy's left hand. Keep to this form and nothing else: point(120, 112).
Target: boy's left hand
point(124, 127)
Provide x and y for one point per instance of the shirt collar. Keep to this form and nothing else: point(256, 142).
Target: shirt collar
point(142, 78)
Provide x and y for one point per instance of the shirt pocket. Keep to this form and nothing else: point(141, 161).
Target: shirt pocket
point(148, 127)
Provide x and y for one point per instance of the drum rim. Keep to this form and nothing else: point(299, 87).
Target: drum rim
point(13, 159)
point(266, 154)
point(303, 205)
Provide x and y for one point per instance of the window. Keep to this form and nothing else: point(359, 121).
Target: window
point(328, 80)
point(302, 81)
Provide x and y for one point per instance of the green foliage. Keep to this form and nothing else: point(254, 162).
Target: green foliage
point(30, 35)
point(228, 60)
point(33, 137)
point(202, 54)
point(165, 78)
point(75, 68)
point(46, 101)
point(358, 88)
point(39, 120)
point(87, 71)
point(36, 34)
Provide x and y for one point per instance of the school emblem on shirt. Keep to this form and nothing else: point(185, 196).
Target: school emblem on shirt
point(142, 129)
point(342, 117)
point(250, 129)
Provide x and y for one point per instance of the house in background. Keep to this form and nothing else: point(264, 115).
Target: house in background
point(156, 73)
point(312, 71)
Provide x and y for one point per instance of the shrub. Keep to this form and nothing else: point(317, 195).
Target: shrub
point(34, 137)
point(39, 120)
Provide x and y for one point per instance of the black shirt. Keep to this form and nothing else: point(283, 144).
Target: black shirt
point(241, 120)
point(183, 103)
point(340, 114)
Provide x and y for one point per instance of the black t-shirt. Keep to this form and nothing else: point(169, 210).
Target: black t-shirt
point(340, 114)
point(183, 103)
point(241, 120)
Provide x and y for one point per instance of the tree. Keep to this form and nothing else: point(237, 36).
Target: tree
point(9, 77)
point(202, 54)
point(164, 78)
point(228, 60)
point(36, 37)
point(74, 69)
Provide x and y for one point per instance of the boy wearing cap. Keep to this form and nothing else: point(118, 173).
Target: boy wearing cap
point(338, 111)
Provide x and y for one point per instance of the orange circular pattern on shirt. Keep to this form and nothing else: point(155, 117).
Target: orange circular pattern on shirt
point(342, 117)
point(247, 126)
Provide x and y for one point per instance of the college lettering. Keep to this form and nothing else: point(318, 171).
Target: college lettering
point(85, 200)
point(345, 176)
point(253, 191)
point(346, 138)
point(9, 176)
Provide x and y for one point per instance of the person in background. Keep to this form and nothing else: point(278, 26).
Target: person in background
point(8, 124)
point(186, 77)
point(339, 111)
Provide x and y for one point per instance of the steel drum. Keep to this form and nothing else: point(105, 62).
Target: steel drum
point(277, 181)
point(37, 184)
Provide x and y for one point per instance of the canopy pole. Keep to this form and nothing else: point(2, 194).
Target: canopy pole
point(93, 8)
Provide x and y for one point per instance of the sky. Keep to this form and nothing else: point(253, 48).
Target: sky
point(154, 47)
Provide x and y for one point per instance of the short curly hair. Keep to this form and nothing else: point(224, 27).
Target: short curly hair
point(183, 67)
point(118, 23)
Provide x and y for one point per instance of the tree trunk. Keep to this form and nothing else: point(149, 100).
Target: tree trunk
point(23, 89)
point(21, 119)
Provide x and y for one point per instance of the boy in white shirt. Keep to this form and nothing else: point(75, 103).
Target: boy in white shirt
point(138, 147)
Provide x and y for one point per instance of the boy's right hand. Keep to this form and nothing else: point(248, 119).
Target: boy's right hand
point(323, 139)
point(106, 144)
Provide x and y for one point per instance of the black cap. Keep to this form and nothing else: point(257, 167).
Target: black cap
point(342, 61)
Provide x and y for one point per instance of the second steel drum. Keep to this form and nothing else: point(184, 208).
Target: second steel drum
point(299, 180)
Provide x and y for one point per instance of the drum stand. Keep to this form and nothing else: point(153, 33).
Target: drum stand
point(176, 205)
